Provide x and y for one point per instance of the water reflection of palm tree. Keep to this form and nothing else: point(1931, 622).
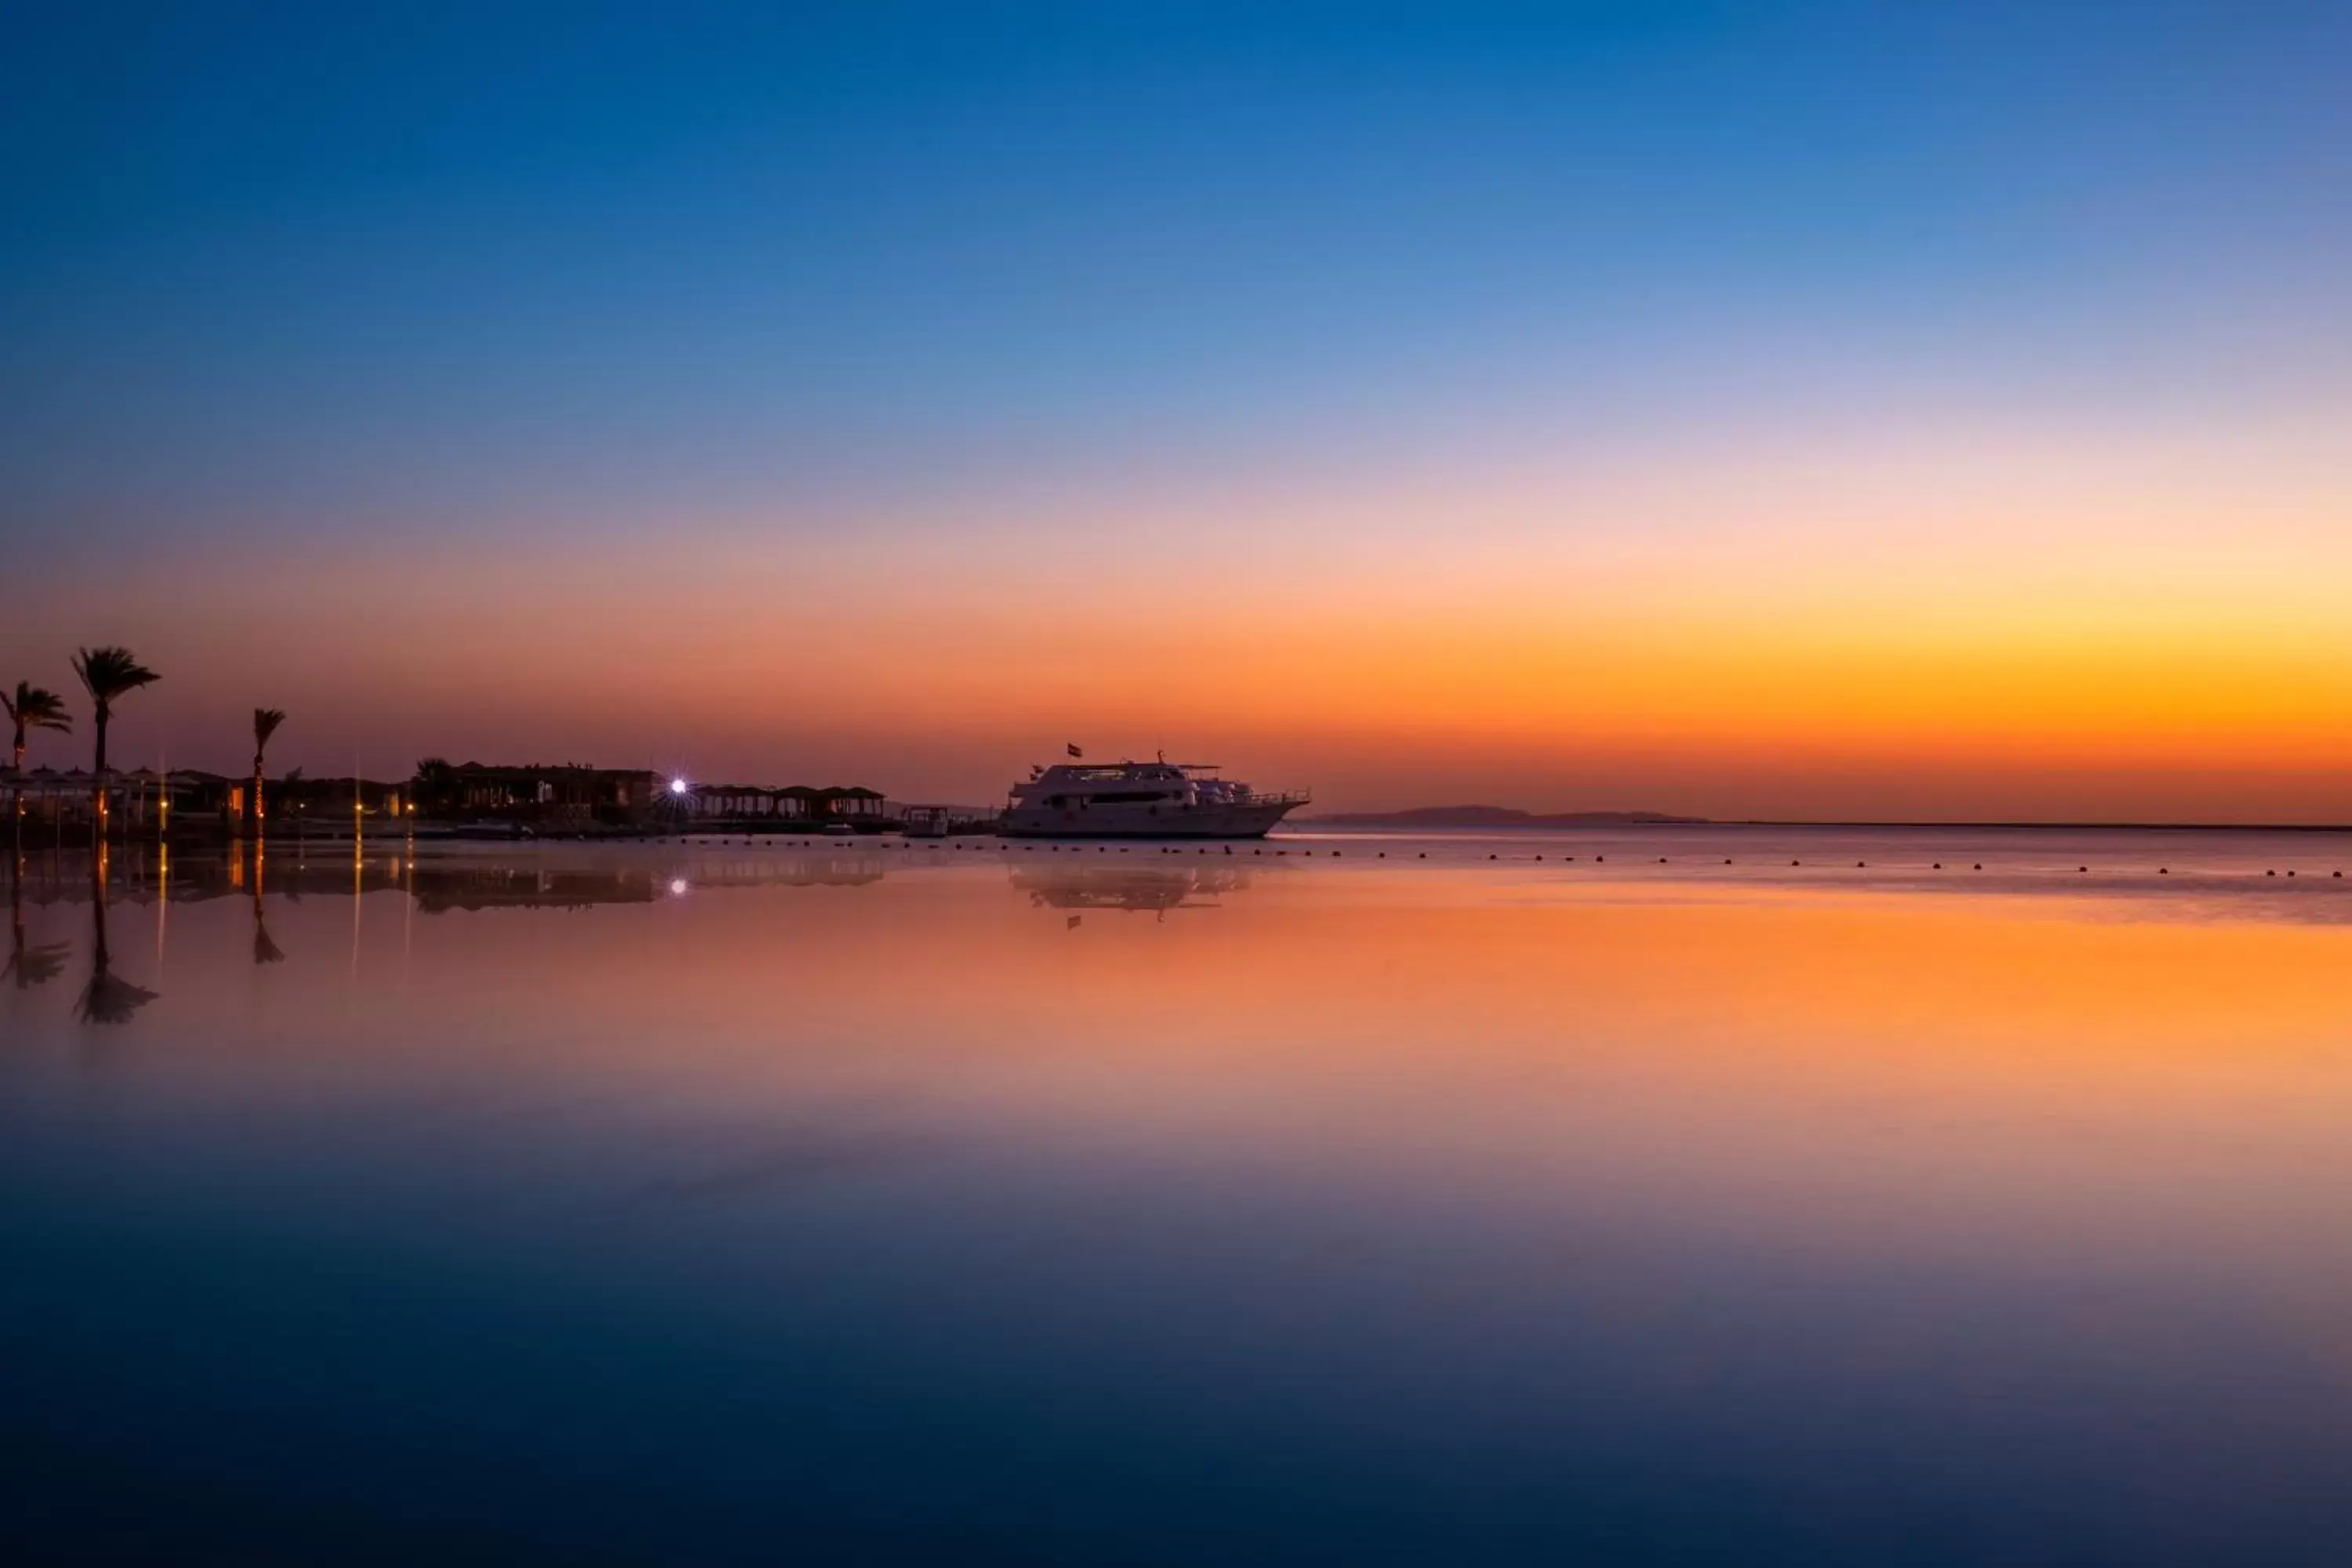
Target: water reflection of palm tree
point(264, 950)
point(29, 966)
point(108, 998)
point(106, 674)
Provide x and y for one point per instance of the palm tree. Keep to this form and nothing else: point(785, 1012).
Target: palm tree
point(265, 724)
point(106, 674)
point(31, 708)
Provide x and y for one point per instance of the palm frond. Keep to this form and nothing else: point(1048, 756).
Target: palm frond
point(109, 672)
point(36, 707)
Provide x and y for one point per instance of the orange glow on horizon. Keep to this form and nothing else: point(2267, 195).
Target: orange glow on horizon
point(1822, 648)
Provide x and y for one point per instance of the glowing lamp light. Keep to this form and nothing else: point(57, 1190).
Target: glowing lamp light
point(678, 786)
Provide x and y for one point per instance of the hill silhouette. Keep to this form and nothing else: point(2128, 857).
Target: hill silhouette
point(1498, 816)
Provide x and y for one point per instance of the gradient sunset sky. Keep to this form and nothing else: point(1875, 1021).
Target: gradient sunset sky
point(1927, 411)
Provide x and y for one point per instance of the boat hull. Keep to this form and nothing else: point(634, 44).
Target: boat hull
point(1254, 820)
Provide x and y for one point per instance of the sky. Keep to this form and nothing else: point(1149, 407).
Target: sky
point(1791, 411)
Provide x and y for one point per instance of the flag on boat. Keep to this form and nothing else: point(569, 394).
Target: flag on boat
point(1074, 749)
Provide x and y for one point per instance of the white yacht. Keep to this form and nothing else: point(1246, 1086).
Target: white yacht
point(1141, 800)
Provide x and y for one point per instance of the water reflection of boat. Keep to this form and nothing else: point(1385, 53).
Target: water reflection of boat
point(1122, 888)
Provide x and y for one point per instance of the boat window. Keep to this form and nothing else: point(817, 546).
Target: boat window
point(1110, 797)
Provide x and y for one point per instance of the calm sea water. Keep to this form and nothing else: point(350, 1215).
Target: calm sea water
point(734, 1201)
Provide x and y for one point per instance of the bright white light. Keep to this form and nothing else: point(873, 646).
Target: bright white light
point(678, 786)
point(678, 889)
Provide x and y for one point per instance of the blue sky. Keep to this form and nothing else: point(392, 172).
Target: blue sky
point(436, 270)
point(1757, 409)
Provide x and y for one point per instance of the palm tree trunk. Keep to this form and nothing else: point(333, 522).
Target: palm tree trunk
point(258, 812)
point(98, 783)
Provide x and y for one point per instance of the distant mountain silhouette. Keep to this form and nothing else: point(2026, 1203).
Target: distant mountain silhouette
point(1498, 816)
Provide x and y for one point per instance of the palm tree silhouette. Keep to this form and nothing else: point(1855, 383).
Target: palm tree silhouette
point(106, 674)
point(108, 998)
point(265, 724)
point(29, 966)
point(31, 708)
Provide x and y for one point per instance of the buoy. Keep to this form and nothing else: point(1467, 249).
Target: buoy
point(1661, 859)
point(1796, 862)
point(1384, 854)
point(1726, 859)
point(2082, 867)
point(1490, 857)
point(1424, 855)
point(2164, 870)
point(2270, 873)
point(1538, 857)
point(1857, 864)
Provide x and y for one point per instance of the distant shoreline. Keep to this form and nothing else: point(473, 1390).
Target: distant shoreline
point(1493, 819)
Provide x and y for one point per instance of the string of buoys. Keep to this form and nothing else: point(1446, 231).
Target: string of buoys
point(751, 841)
